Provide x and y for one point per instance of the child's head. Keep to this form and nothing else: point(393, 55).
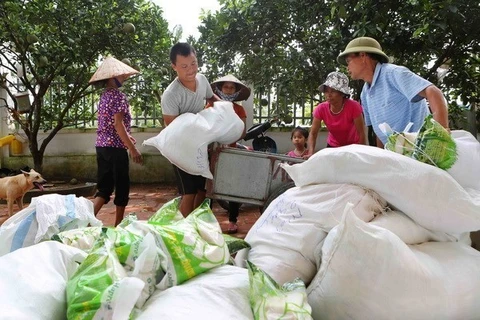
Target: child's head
point(184, 61)
point(299, 137)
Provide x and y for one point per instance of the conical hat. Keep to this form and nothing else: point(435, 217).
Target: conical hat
point(111, 68)
point(244, 90)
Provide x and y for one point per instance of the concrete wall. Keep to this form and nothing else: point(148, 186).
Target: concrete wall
point(71, 154)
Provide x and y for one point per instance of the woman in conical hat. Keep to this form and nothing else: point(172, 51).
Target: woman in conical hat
point(229, 88)
point(241, 92)
point(113, 137)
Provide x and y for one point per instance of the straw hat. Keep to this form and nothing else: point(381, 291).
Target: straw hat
point(336, 80)
point(363, 44)
point(244, 90)
point(111, 68)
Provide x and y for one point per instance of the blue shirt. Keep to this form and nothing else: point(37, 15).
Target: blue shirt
point(393, 97)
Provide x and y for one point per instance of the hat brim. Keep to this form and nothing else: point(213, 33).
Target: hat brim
point(244, 90)
point(111, 68)
point(380, 53)
point(321, 88)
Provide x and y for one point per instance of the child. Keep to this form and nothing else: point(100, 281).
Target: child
point(299, 139)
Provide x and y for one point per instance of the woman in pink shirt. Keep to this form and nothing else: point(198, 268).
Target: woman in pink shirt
point(342, 116)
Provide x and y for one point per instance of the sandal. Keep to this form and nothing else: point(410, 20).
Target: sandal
point(232, 228)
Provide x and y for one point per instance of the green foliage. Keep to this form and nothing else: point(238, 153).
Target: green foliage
point(62, 41)
point(293, 45)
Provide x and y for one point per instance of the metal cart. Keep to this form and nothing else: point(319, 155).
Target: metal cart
point(246, 176)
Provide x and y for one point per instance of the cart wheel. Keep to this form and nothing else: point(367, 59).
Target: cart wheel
point(275, 193)
point(224, 204)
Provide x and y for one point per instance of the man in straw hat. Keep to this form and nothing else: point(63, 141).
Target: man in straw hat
point(189, 92)
point(391, 93)
point(229, 88)
point(113, 137)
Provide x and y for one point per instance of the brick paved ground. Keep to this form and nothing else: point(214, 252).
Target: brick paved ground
point(146, 199)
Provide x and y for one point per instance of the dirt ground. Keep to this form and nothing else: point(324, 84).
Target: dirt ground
point(146, 199)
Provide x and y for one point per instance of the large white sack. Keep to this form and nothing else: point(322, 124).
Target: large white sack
point(33, 281)
point(367, 272)
point(221, 293)
point(185, 140)
point(287, 238)
point(466, 170)
point(227, 126)
point(428, 195)
point(19, 230)
point(45, 216)
point(57, 213)
point(411, 233)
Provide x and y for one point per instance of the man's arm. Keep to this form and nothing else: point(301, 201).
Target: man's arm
point(437, 104)
point(168, 119)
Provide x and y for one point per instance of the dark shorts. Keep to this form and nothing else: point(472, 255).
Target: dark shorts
point(187, 183)
point(113, 174)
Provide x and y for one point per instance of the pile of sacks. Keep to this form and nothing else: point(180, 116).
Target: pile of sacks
point(376, 235)
point(365, 234)
point(167, 267)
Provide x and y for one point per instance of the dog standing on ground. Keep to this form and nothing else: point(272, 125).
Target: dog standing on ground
point(14, 188)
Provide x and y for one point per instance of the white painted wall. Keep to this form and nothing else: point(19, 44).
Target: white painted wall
point(75, 141)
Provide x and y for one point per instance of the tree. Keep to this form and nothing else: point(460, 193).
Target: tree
point(60, 43)
point(293, 45)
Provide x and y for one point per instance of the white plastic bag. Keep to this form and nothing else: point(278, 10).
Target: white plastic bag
point(33, 281)
point(412, 233)
point(286, 240)
point(219, 294)
point(45, 216)
point(185, 140)
point(57, 213)
point(367, 272)
point(466, 169)
point(428, 195)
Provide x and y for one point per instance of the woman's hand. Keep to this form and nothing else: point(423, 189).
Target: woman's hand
point(136, 155)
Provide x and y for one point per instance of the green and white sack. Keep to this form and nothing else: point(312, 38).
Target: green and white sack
point(433, 144)
point(101, 289)
point(272, 301)
point(192, 245)
point(82, 239)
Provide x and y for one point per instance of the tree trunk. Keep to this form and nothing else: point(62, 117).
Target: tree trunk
point(37, 160)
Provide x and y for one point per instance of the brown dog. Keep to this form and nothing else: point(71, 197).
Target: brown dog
point(14, 188)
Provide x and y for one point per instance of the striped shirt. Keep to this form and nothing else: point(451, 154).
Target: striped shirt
point(393, 97)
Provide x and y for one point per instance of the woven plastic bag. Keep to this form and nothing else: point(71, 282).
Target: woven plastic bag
point(432, 145)
point(269, 300)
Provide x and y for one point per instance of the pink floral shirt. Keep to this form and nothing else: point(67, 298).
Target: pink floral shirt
point(112, 101)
